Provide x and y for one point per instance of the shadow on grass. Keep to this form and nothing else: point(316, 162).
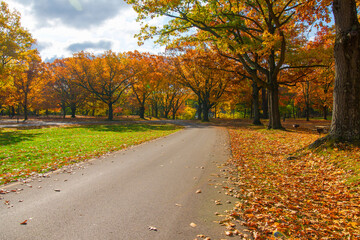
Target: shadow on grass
point(13, 137)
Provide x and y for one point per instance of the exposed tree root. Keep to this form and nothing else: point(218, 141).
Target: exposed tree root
point(331, 141)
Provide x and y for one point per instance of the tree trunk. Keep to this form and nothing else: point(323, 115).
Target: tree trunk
point(206, 110)
point(63, 108)
point(255, 96)
point(325, 112)
point(142, 112)
point(156, 109)
point(25, 107)
point(264, 97)
point(166, 113)
point(12, 111)
point(307, 111)
point(73, 110)
point(307, 101)
point(111, 112)
point(275, 118)
point(199, 110)
point(345, 125)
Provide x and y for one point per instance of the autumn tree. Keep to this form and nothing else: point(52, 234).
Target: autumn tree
point(27, 79)
point(15, 42)
point(345, 123)
point(201, 71)
point(68, 92)
point(323, 77)
point(14, 39)
point(169, 94)
point(106, 76)
point(245, 29)
point(145, 79)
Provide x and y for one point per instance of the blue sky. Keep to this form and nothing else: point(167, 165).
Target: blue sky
point(63, 27)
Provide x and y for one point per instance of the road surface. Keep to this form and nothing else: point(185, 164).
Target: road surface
point(119, 196)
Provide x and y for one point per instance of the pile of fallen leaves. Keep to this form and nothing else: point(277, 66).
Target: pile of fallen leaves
point(286, 191)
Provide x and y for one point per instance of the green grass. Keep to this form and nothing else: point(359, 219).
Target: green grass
point(27, 151)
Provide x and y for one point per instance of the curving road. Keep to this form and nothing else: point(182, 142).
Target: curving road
point(120, 195)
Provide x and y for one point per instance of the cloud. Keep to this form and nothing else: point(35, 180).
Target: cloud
point(79, 14)
point(102, 45)
point(42, 45)
point(51, 60)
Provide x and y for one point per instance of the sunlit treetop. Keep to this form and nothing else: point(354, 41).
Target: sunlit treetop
point(15, 40)
point(249, 22)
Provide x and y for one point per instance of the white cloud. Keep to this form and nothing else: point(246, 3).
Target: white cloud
point(56, 34)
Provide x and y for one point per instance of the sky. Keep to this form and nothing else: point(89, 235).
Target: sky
point(63, 27)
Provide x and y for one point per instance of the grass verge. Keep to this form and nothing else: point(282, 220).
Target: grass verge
point(289, 192)
point(27, 151)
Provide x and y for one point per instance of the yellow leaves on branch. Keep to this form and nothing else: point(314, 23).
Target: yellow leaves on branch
point(270, 41)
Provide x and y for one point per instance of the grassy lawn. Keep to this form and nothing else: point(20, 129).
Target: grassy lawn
point(25, 151)
point(289, 192)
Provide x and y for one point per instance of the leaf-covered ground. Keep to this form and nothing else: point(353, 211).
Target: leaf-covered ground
point(285, 191)
point(24, 152)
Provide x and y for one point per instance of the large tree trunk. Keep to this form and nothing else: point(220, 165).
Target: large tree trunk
point(264, 97)
point(63, 108)
point(307, 111)
point(345, 123)
point(307, 101)
point(255, 96)
point(25, 107)
point(206, 110)
point(111, 112)
point(142, 112)
point(199, 109)
point(73, 110)
point(273, 96)
point(156, 110)
point(274, 118)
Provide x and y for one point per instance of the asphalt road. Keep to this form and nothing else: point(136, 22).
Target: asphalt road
point(120, 195)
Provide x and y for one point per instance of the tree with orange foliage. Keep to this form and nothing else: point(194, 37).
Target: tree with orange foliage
point(146, 78)
point(202, 72)
point(68, 93)
point(169, 94)
point(15, 42)
point(243, 29)
point(27, 80)
point(106, 76)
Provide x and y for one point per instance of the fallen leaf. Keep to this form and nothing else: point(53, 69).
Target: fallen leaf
point(57, 190)
point(24, 222)
point(193, 225)
point(151, 228)
point(198, 191)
